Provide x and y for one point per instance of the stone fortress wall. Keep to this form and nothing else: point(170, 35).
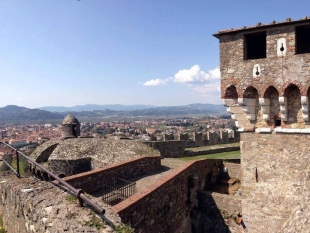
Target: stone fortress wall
point(93, 180)
point(175, 203)
point(267, 92)
point(257, 92)
point(30, 205)
point(175, 147)
point(275, 182)
point(171, 204)
point(205, 138)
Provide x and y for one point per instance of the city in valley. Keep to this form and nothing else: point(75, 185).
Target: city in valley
point(28, 136)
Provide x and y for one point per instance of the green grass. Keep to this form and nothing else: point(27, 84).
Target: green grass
point(71, 198)
point(213, 147)
point(2, 230)
point(223, 155)
point(95, 221)
point(22, 166)
point(123, 228)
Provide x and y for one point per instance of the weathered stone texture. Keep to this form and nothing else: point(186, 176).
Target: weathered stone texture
point(168, 149)
point(170, 205)
point(44, 151)
point(76, 155)
point(234, 170)
point(212, 138)
point(213, 206)
point(93, 180)
point(276, 197)
point(30, 205)
point(276, 70)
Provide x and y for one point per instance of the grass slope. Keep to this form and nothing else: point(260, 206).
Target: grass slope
point(223, 155)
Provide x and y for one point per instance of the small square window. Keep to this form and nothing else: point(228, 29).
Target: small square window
point(303, 39)
point(277, 122)
point(255, 45)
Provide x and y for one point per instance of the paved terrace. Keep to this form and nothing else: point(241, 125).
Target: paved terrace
point(167, 165)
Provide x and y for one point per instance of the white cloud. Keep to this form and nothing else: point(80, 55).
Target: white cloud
point(196, 75)
point(155, 82)
point(207, 88)
point(209, 93)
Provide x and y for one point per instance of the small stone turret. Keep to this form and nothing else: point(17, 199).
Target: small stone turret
point(70, 127)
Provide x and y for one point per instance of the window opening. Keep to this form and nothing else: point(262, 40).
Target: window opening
point(303, 39)
point(255, 45)
point(277, 122)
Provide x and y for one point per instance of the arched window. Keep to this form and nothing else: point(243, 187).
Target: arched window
point(231, 93)
point(274, 112)
point(292, 93)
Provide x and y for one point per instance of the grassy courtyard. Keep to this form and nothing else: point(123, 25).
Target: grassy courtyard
point(223, 155)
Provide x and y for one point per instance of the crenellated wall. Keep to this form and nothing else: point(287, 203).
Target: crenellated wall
point(210, 138)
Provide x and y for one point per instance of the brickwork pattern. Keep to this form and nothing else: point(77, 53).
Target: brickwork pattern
point(287, 73)
point(165, 206)
point(93, 180)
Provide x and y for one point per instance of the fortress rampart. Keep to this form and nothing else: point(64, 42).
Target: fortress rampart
point(170, 205)
point(209, 138)
point(93, 180)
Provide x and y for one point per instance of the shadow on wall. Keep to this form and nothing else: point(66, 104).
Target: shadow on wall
point(208, 217)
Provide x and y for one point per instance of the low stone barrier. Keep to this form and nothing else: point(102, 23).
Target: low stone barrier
point(167, 205)
point(93, 180)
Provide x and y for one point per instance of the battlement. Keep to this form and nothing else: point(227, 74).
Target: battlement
point(265, 85)
point(209, 138)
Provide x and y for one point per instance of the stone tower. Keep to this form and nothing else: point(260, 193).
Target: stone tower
point(265, 84)
point(70, 127)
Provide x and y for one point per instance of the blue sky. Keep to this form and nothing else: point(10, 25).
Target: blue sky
point(66, 53)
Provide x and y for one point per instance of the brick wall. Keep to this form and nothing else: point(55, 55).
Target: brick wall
point(277, 72)
point(167, 204)
point(92, 180)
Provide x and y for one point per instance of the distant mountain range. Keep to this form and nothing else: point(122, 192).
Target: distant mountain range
point(93, 107)
point(12, 114)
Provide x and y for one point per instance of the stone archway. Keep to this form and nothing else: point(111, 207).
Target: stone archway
point(294, 112)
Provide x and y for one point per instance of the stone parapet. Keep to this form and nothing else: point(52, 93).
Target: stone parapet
point(166, 205)
point(29, 205)
point(93, 180)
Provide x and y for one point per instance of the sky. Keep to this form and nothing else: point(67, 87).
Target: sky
point(162, 53)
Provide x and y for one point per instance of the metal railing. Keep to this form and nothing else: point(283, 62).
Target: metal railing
point(77, 192)
point(117, 191)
